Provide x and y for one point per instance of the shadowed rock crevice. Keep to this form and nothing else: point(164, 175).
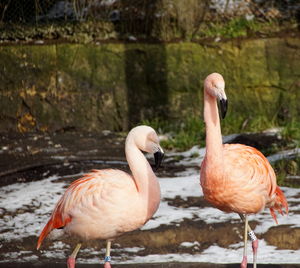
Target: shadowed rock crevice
point(146, 71)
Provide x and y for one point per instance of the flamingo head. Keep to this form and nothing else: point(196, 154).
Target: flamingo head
point(147, 140)
point(214, 85)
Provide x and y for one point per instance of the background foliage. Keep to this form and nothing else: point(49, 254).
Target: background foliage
point(162, 20)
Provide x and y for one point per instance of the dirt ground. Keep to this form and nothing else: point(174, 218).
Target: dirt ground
point(24, 157)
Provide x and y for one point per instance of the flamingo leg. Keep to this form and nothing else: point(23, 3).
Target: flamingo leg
point(107, 255)
point(244, 261)
point(254, 245)
point(72, 258)
point(254, 242)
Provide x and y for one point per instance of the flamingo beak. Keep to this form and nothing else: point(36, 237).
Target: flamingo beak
point(158, 157)
point(223, 106)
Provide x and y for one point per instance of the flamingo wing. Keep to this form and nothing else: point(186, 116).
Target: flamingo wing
point(244, 183)
point(250, 167)
point(251, 174)
point(72, 197)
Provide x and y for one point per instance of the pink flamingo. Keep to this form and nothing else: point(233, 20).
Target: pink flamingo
point(107, 203)
point(235, 177)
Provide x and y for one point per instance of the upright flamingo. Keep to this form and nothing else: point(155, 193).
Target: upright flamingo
point(106, 203)
point(235, 177)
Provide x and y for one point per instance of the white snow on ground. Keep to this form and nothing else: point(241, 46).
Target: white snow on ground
point(216, 254)
point(17, 221)
point(17, 199)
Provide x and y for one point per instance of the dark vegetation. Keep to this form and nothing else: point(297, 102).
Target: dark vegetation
point(159, 20)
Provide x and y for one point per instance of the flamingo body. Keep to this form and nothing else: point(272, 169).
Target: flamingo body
point(245, 184)
point(235, 177)
point(104, 204)
point(94, 201)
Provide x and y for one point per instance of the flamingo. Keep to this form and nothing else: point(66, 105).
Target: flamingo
point(235, 177)
point(106, 203)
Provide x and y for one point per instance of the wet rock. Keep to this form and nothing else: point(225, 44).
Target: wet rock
point(191, 201)
point(264, 141)
point(284, 237)
point(35, 156)
point(287, 169)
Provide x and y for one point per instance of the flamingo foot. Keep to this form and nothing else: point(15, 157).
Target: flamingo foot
point(244, 262)
point(254, 248)
point(107, 265)
point(107, 262)
point(71, 262)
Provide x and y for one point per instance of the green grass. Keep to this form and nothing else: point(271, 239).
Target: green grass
point(291, 133)
point(242, 124)
point(238, 27)
point(185, 134)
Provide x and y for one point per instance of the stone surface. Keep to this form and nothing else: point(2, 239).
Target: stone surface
point(114, 86)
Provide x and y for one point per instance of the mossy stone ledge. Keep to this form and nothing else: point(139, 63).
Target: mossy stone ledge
point(117, 85)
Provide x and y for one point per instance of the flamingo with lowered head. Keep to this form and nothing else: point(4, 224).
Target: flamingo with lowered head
point(106, 203)
point(235, 177)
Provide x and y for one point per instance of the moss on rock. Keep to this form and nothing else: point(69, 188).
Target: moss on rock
point(114, 86)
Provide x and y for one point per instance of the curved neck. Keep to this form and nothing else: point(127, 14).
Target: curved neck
point(145, 180)
point(213, 129)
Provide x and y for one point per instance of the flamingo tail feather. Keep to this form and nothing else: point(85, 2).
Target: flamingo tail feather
point(55, 222)
point(47, 229)
point(280, 202)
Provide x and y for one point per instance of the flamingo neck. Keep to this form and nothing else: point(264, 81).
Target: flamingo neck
point(213, 129)
point(145, 179)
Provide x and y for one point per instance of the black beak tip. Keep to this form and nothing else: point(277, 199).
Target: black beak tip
point(158, 157)
point(223, 106)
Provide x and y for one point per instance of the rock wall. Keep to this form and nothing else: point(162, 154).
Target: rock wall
point(114, 86)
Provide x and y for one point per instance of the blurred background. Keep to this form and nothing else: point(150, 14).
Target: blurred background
point(76, 75)
point(113, 64)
